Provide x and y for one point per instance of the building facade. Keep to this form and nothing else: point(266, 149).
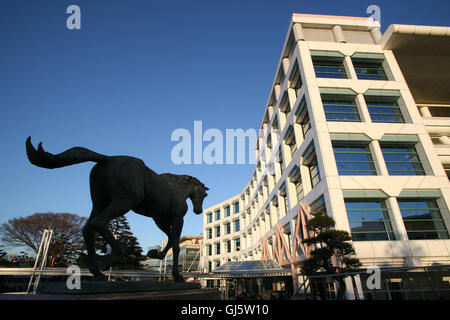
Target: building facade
point(353, 126)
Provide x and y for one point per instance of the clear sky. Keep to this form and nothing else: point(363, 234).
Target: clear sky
point(136, 71)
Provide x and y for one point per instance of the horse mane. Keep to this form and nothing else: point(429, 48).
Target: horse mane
point(184, 179)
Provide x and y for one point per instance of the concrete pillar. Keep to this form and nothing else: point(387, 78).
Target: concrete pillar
point(277, 88)
point(285, 65)
point(378, 158)
point(425, 111)
point(362, 108)
point(396, 219)
point(348, 64)
point(376, 34)
point(338, 34)
point(298, 32)
point(444, 140)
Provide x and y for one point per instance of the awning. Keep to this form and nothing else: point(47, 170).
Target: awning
point(251, 269)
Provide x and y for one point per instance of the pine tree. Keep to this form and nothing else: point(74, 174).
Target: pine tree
point(3, 258)
point(131, 251)
point(328, 242)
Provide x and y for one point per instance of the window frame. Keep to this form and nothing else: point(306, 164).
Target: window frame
point(385, 219)
point(434, 207)
point(340, 101)
point(371, 170)
point(417, 171)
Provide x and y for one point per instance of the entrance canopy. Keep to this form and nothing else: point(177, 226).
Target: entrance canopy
point(255, 269)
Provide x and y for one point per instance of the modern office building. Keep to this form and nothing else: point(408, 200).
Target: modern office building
point(357, 123)
point(188, 258)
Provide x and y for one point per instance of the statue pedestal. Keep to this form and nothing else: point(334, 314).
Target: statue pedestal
point(129, 290)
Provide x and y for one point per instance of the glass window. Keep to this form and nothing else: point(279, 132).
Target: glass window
point(237, 244)
point(384, 109)
point(369, 220)
point(218, 248)
point(290, 140)
point(280, 160)
point(284, 198)
point(227, 211)
point(402, 160)
point(209, 233)
point(209, 249)
point(314, 172)
point(295, 178)
point(228, 245)
point(340, 108)
point(228, 228)
point(295, 80)
point(354, 160)
point(217, 213)
point(329, 68)
point(236, 207)
point(285, 106)
point(236, 225)
point(367, 69)
point(208, 218)
point(302, 117)
point(422, 219)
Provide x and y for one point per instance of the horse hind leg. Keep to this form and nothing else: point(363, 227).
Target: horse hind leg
point(114, 210)
point(89, 232)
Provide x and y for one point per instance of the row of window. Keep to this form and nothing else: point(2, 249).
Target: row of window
point(227, 247)
point(227, 213)
point(333, 67)
point(227, 229)
point(382, 109)
point(370, 221)
point(357, 160)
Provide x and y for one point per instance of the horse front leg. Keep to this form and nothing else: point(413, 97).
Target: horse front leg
point(176, 233)
point(160, 254)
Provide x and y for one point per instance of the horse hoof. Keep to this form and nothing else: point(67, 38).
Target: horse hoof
point(99, 277)
point(153, 254)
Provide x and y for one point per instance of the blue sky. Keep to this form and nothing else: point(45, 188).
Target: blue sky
point(136, 71)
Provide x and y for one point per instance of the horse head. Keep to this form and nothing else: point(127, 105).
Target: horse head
point(197, 196)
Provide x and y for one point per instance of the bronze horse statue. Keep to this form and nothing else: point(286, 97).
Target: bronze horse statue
point(119, 184)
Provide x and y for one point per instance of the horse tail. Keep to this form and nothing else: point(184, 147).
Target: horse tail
point(44, 159)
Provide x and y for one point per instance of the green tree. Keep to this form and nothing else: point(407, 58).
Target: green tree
point(328, 242)
point(131, 251)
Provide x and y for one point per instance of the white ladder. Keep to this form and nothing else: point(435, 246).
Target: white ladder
point(42, 257)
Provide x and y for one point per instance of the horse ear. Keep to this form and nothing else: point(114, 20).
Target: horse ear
point(206, 188)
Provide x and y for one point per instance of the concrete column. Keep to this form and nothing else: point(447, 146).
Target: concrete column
point(376, 34)
point(285, 65)
point(362, 107)
point(298, 32)
point(444, 140)
point(425, 111)
point(277, 88)
point(270, 109)
point(378, 158)
point(396, 219)
point(348, 64)
point(338, 34)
